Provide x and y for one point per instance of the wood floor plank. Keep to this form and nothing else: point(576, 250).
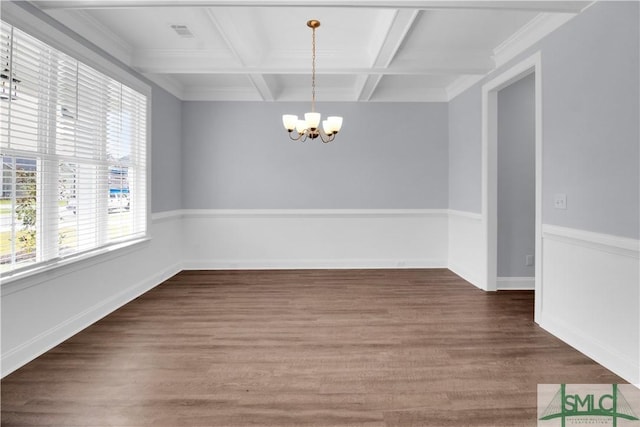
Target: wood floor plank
point(302, 348)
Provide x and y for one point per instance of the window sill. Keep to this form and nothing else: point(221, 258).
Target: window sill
point(31, 277)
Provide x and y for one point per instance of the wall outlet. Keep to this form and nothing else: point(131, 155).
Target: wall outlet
point(529, 260)
point(560, 201)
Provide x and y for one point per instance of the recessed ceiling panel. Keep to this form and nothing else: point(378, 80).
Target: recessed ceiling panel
point(464, 29)
point(344, 37)
point(145, 28)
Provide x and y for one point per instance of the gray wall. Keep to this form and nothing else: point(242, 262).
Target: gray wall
point(465, 151)
point(516, 178)
point(237, 155)
point(166, 151)
point(590, 98)
point(590, 101)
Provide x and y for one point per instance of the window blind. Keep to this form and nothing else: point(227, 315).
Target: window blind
point(73, 149)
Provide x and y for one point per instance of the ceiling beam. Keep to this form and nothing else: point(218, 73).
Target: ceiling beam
point(366, 86)
point(174, 65)
point(244, 48)
point(394, 71)
point(396, 33)
point(538, 6)
point(398, 30)
point(262, 86)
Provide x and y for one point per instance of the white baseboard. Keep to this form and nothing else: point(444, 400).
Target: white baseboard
point(516, 283)
point(619, 363)
point(467, 273)
point(300, 264)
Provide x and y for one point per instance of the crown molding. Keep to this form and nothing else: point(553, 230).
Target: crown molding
point(409, 95)
point(534, 31)
point(461, 84)
point(204, 93)
point(91, 29)
point(299, 94)
point(168, 83)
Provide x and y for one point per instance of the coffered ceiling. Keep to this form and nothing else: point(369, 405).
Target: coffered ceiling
point(367, 50)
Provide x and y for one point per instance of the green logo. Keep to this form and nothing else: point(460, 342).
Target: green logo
point(589, 406)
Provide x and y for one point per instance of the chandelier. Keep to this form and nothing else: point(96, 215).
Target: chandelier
point(310, 126)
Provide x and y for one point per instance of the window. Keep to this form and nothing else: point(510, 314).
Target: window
point(73, 150)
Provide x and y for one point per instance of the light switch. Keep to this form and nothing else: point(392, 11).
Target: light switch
point(560, 201)
point(528, 260)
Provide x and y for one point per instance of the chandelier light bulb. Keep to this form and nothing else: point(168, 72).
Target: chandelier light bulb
point(313, 120)
point(301, 126)
point(335, 123)
point(326, 127)
point(289, 121)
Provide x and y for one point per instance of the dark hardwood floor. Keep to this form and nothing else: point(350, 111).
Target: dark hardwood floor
point(302, 348)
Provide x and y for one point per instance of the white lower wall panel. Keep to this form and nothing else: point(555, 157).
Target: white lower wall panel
point(590, 293)
point(467, 250)
point(41, 311)
point(264, 239)
point(591, 296)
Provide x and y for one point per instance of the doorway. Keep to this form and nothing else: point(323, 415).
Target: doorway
point(516, 185)
point(529, 66)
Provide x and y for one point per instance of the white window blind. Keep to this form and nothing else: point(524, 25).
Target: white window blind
point(73, 149)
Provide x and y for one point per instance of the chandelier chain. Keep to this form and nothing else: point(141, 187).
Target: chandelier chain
point(313, 70)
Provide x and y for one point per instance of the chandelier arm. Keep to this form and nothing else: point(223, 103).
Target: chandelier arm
point(326, 138)
point(294, 139)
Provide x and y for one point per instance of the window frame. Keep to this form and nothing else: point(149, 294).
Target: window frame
point(35, 23)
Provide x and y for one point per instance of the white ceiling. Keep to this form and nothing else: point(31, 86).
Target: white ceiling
point(367, 50)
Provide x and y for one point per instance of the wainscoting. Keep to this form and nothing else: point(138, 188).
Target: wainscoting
point(591, 296)
point(467, 250)
point(301, 239)
point(41, 311)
